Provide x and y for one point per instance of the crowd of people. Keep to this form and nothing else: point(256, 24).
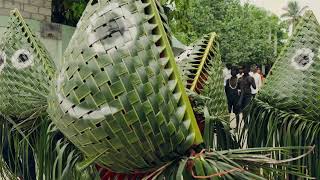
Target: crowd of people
point(241, 85)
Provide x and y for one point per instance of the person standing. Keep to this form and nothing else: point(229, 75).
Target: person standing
point(232, 92)
point(240, 73)
point(245, 84)
point(257, 79)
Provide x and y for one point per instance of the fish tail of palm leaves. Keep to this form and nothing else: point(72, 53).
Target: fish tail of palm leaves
point(215, 110)
point(286, 110)
point(269, 126)
point(252, 163)
point(118, 95)
point(26, 71)
point(195, 62)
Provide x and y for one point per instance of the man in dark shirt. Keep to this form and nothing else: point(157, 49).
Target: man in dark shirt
point(245, 84)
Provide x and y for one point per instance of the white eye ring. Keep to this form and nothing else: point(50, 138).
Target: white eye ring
point(21, 59)
point(3, 58)
point(302, 59)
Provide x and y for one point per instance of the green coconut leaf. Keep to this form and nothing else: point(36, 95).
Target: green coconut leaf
point(211, 104)
point(252, 163)
point(196, 61)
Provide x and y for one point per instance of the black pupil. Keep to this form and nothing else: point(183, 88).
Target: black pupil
point(94, 2)
point(116, 27)
point(303, 60)
point(23, 58)
point(1, 60)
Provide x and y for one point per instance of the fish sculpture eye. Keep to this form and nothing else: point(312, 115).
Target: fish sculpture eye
point(21, 59)
point(119, 25)
point(303, 59)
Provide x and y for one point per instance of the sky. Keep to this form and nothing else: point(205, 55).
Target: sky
point(276, 6)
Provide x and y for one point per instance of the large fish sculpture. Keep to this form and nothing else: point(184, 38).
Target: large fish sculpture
point(286, 110)
point(118, 97)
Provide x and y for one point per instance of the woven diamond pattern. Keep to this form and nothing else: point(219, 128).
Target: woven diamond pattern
point(293, 84)
point(25, 73)
point(118, 96)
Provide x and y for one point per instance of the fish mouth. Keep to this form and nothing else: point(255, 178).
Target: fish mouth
point(75, 111)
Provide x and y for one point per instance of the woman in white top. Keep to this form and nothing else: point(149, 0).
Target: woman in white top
point(257, 79)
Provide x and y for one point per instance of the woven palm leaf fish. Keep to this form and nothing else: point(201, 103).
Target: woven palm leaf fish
point(293, 84)
point(118, 95)
point(195, 62)
point(286, 110)
point(26, 71)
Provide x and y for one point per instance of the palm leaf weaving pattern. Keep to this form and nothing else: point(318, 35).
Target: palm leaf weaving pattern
point(25, 71)
point(217, 117)
point(293, 85)
point(118, 95)
point(196, 61)
point(286, 110)
point(201, 68)
point(214, 89)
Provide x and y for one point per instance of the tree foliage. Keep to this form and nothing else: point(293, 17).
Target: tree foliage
point(293, 13)
point(248, 34)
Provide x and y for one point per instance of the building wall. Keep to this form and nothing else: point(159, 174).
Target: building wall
point(30, 9)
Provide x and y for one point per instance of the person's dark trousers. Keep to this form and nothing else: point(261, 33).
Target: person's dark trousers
point(245, 103)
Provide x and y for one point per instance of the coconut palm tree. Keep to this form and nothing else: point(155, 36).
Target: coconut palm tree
point(293, 13)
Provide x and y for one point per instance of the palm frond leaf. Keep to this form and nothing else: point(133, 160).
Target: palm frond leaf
point(253, 163)
point(41, 154)
point(211, 105)
point(196, 62)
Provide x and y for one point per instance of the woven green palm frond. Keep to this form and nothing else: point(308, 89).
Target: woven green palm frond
point(286, 110)
point(294, 84)
point(25, 71)
point(118, 95)
point(214, 89)
point(202, 71)
point(196, 61)
point(217, 117)
point(213, 106)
